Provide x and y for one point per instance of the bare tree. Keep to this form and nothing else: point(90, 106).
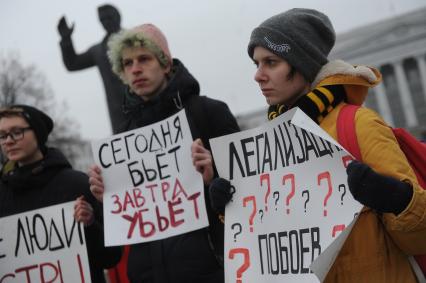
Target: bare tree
point(20, 84)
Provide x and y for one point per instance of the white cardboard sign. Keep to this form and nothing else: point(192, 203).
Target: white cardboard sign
point(44, 245)
point(291, 199)
point(152, 190)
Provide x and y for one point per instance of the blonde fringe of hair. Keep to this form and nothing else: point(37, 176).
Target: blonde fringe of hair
point(11, 112)
point(131, 38)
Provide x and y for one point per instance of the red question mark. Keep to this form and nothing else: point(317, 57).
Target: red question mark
point(245, 201)
point(326, 175)
point(338, 228)
point(293, 188)
point(268, 191)
point(246, 263)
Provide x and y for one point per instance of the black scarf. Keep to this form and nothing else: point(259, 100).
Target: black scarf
point(316, 104)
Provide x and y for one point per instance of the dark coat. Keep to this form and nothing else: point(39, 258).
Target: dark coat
point(52, 181)
point(189, 257)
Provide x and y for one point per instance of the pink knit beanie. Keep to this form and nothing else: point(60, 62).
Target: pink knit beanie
point(154, 34)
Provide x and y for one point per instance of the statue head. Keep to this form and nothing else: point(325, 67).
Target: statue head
point(110, 18)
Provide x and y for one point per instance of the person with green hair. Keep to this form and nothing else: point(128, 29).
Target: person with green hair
point(159, 86)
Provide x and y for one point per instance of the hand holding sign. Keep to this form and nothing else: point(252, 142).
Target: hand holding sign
point(83, 212)
point(303, 167)
point(149, 185)
point(202, 160)
point(96, 182)
point(372, 189)
point(220, 192)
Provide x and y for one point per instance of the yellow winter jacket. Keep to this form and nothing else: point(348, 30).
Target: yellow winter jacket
point(378, 247)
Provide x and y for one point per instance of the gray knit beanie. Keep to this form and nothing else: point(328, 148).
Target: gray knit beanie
point(302, 37)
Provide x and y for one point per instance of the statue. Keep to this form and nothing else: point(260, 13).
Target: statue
point(97, 56)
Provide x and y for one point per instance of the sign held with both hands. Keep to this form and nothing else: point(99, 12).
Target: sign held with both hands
point(290, 202)
point(152, 190)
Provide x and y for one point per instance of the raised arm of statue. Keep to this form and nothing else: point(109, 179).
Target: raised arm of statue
point(63, 28)
point(72, 60)
point(96, 56)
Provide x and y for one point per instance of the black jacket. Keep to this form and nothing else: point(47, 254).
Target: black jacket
point(189, 257)
point(52, 181)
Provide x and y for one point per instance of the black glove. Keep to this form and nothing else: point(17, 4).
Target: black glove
point(381, 193)
point(220, 192)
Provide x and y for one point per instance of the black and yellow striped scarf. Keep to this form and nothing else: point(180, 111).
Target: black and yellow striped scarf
point(316, 104)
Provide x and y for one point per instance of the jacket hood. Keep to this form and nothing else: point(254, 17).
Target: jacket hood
point(355, 79)
point(181, 84)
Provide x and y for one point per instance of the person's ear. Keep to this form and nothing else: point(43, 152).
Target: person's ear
point(167, 69)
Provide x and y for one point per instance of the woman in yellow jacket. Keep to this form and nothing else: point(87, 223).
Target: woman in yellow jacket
point(290, 51)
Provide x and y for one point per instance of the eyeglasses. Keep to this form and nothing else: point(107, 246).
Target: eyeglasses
point(16, 134)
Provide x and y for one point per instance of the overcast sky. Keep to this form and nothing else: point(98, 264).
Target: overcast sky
point(209, 36)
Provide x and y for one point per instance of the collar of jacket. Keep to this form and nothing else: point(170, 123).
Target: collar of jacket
point(355, 79)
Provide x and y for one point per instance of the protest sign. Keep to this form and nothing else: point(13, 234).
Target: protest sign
point(43, 245)
point(291, 199)
point(152, 190)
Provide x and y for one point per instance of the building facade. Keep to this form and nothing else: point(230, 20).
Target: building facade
point(397, 47)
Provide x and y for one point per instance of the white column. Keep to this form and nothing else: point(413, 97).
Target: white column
point(383, 103)
point(422, 70)
point(405, 94)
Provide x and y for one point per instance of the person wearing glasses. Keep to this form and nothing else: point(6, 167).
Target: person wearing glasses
point(36, 176)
